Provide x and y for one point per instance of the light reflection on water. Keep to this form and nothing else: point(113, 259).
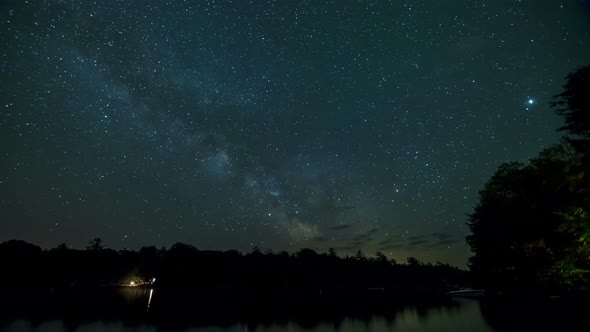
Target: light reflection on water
point(150, 298)
point(466, 317)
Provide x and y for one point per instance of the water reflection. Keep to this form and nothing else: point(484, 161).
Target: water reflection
point(150, 298)
point(465, 316)
point(136, 309)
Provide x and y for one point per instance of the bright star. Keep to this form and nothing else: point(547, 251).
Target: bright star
point(531, 101)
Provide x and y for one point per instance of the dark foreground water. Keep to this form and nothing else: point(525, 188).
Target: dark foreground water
point(137, 310)
point(466, 317)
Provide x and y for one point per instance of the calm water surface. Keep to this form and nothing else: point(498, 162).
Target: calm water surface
point(146, 310)
point(465, 317)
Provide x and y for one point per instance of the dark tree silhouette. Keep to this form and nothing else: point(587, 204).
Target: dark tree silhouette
point(574, 105)
point(412, 261)
point(62, 247)
point(185, 271)
point(381, 258)
point(95, 244)
point(360, 255)
point(531, 226)
point(517, 225)
point(332, 252)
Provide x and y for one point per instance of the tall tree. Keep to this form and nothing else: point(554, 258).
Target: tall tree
point(531, 226)
point(517, 228)
point(574, 105)
point(95, 244)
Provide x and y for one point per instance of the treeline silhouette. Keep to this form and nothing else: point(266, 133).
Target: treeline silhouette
point(223, 274)
point(205, 287)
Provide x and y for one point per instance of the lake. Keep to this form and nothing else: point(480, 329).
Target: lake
point(456, 314)
point(466, 317)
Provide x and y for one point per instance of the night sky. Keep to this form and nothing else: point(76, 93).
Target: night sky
point(279, 124)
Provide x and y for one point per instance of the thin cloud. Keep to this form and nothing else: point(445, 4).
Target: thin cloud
point(341, 227)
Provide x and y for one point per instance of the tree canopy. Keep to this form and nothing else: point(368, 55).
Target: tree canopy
point(574, 103)
point(531, 226)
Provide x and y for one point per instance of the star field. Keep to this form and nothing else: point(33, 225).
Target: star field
point(279, 124)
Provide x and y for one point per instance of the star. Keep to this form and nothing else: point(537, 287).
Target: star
point(258, 134)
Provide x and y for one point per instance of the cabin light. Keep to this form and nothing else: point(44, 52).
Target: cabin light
point(132, 283)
